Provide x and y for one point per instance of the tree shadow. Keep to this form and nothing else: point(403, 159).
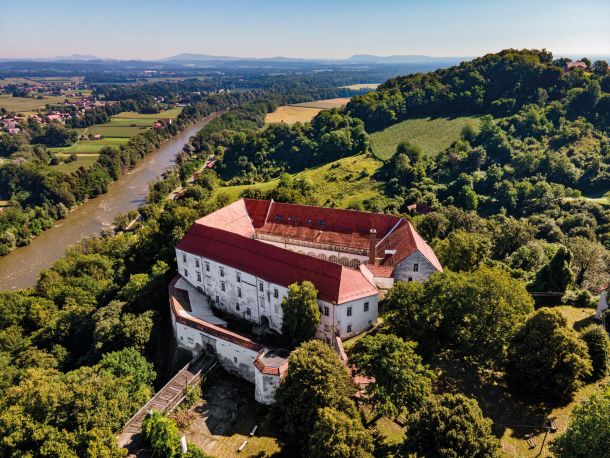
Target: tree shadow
point(507, 410)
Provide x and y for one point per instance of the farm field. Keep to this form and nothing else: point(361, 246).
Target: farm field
point(117, 132)
point(432, 135)
point(302, 112)
point(342, 183)
point(324, 104)
point(358, 87)
point(27, 104)
point(291, 114)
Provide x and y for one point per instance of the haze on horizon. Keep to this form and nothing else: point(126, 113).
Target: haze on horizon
point(153, 29)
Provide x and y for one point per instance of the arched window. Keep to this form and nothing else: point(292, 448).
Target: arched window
point(334, 258)
point(355, 263)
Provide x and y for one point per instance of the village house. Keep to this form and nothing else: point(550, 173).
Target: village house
point(240, 260)
point(568, 66)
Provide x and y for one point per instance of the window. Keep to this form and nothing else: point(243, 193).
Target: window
point(248, 311)
point(349, 311)
point(237, 307)
point(309, 221)
point(238, 292)
point(276, 293)
point(349, 328)
point(217, 300)
point(222, 272)
point(223, 286)
point(234, 359)
point(326, 311)
point(199, 276)
point(415, 267)
point(278, 217)
point(238, 277)
point(260, 287)
point(197, 263)
point(268, 296)
point(277, 309)
point(186, 273)
point(321, 222)
point(366, 306)
point(183, 258)
point(207, 266)
point(410, 278)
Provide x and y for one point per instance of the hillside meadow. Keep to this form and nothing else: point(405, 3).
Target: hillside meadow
point(28, 104)
point(432, 135)
point(303, 112)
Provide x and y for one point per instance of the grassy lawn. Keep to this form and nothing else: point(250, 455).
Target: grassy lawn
point(602, 198)
point(338, 183)
point(27, 104)
point(431, 134)
point(90, 146)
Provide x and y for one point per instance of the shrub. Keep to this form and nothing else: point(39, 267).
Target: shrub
point(598, 344)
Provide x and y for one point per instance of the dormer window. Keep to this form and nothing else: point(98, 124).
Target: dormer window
point(321, 222)
point(278, 217)
point(308, 220)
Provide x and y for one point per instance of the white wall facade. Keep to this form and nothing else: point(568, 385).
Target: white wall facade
point(415, 267)
point(252, 298)
point(234, 358)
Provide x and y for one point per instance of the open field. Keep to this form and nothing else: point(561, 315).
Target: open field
point(302, 112)
point(599, 198)
point(90, 146)
point(324, 104)
point(114, 131)
point(340, 183)
point(27, 104)
point(83, 160)
point(431, 134)
point(358, 87)
point(171, 113)
point(291, 114)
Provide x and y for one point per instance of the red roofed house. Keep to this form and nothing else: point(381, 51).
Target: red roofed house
point(568, 66)
point(243, 257)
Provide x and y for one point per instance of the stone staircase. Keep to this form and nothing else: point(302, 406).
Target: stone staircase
point(165, 400)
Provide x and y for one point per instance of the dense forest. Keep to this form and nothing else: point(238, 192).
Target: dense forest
point(83, 348)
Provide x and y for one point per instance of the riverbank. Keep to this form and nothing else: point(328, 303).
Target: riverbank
point(21, 267)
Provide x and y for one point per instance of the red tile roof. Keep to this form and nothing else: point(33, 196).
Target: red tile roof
point(335, 283)
point(227, 236)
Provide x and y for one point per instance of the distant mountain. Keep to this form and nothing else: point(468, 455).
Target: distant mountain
point(407, 59)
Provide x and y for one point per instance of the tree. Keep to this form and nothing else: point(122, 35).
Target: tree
point(401, 381)
point(301, 314)
point(588, 433)
point(316, 380)
point(589, 263)
point(451, 427)
point(473, 313)
point(598, 344)
point(128, 362)
point(337, 435)
point(463, 251)
point(546, 358)
point(556, 275)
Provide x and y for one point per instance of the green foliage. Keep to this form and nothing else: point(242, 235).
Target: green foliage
point(463, 251)
point(316, 380)
point(401, 381)
point(556, 275)
point(558, 365)
point(129, 363)
point(473, 313)
point(588, 433)
point(451, 427)
point(164, 437)
point(337, 435)
point(301, 314)
point(598, 345)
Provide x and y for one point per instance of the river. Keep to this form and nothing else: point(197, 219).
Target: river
point(21, 267)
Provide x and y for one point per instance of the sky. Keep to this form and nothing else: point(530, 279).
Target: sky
point(153, 29)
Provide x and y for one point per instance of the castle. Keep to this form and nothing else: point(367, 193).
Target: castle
point(239, 261)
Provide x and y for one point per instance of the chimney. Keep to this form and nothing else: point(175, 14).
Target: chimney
point(372, 244)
